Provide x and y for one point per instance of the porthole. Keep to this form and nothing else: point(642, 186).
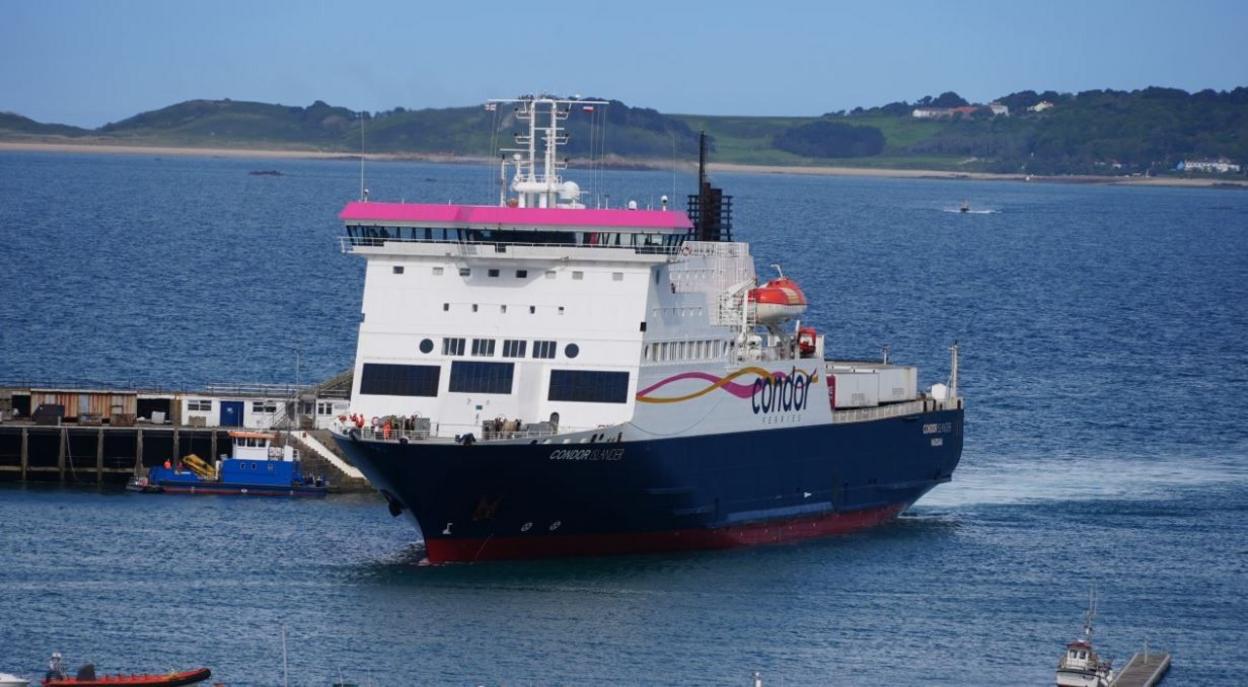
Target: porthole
point(571, 350)
point(426, 345)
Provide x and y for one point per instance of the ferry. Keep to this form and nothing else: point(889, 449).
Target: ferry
point(257, 467)
point(544, 378)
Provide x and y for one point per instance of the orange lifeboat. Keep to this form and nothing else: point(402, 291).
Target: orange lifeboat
point(778, 300)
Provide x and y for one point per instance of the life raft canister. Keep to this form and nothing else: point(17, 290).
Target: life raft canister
point(807, 339)
point(778, 300)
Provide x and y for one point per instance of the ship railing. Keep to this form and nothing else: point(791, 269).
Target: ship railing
point(485, 248)
point(922, 405)
point(535, 430)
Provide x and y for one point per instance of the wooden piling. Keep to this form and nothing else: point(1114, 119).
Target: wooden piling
point(177, 445)
point(138, 447)
point(212, 459)
point(25, 452)
point(99, 456)
point(60, 454)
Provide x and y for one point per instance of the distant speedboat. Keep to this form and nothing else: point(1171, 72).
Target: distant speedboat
point(966, 206)
point(7, 680)
point(174, 679)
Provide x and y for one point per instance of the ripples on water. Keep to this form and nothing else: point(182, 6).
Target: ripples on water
point(1103, 359)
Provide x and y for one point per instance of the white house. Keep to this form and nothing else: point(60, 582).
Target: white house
point(1041, 106)
point(1218, 166)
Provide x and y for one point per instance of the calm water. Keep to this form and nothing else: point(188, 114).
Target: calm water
point(1104, 359)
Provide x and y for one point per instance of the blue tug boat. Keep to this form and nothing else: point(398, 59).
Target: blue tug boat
point(256, 468)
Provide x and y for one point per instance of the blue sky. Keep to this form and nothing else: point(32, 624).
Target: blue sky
point(88, 63)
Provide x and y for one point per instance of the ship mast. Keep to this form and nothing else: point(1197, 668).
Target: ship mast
point(542, 188)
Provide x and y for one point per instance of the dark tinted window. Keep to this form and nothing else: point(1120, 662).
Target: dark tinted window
point(400, 380)
point(481, 378)
point(588, 387)
point(543, 349)
point(514, 348)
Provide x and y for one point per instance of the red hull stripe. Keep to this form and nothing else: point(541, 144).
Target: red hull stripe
point(441, 550)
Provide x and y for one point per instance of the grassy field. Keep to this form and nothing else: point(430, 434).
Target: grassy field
point(748, 141)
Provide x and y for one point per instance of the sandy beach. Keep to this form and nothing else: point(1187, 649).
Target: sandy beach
point(831, 170)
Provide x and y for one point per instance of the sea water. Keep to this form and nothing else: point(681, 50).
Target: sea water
point(1104, 338)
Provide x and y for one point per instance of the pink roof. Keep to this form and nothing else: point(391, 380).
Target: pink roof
point(492, 216)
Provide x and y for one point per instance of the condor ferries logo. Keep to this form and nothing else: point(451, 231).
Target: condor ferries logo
point(769, 392)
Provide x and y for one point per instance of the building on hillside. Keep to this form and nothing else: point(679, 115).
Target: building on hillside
point(945, 112)
point(1041, 106)
point(999, 110)
point(1219, 166)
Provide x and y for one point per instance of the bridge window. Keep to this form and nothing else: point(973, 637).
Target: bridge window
point(481, 378)
point(400, 380)
point(585, 386)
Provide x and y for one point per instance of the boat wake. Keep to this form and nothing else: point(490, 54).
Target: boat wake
point(978, 211)
point(1048, 480)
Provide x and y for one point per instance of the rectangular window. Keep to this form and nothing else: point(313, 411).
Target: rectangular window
point(578, 275)
point(481, 378)
point(588, 387)
point(550, 274)
point(514, 348)
point(437, 271)
point(398, 269)
point(522, 274)
point(452, 346)
point(204, 405)
point(483, 347)
point(492, 273)
point(400, 380)
point(264, 406)
point(465, 272)
point(617, 276)
point(543, 349)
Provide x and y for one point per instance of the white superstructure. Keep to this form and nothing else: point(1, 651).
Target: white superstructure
point(542, 316)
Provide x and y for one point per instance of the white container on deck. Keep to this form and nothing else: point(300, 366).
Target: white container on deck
point(856, 389)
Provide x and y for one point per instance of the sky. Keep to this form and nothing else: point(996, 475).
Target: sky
point(88, 63)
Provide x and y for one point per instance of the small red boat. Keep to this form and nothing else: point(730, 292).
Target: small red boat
point(186, 677)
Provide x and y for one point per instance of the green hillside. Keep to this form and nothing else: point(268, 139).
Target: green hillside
point(17, 124)
point(1093, 132)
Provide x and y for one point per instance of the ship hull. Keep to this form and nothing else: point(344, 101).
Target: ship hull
point(528, 500)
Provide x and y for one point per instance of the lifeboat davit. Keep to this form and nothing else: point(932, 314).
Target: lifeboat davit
point(778, 300)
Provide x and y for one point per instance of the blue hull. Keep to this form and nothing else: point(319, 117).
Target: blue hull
point(527, 500)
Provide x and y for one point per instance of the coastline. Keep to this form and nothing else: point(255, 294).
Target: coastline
point(730, 167)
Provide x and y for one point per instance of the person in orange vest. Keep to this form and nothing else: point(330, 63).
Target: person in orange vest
point(386, 429)
point(168, 465)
